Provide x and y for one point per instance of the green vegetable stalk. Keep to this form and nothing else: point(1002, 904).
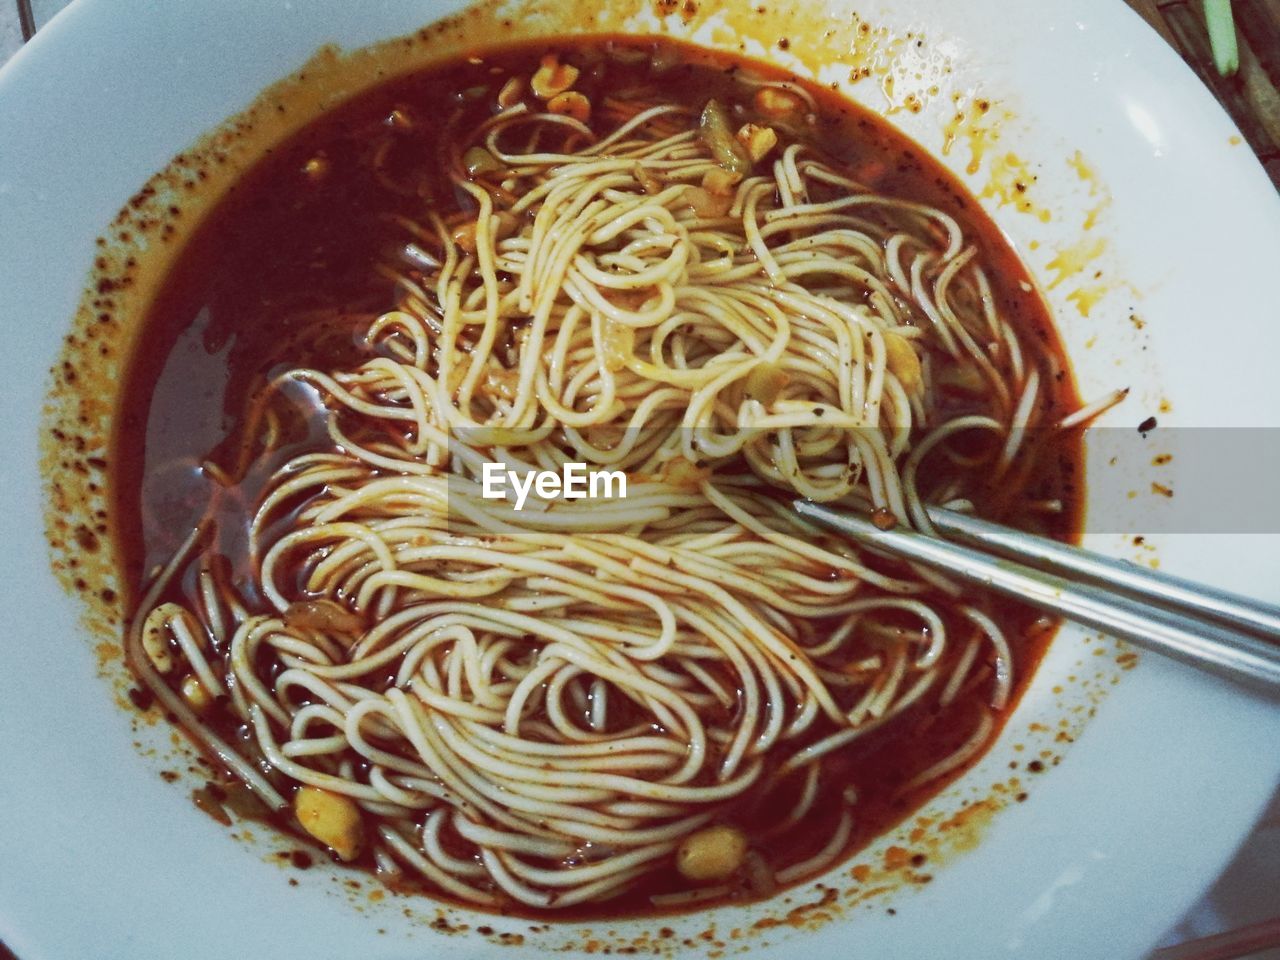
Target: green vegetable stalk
point(1222, 36)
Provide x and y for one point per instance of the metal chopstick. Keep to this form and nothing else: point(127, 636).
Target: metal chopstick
point(1161, 589)
point(1214, 647)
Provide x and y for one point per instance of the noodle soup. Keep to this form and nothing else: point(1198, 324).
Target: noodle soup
point(728, 285)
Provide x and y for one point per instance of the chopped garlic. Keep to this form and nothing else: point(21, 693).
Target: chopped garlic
point(552, 77)
point(757, 139)
point(571, 104)
point(711, 854)
point(196, 694)
point(332, 819)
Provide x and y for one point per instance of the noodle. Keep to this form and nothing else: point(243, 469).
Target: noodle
point(540, 706)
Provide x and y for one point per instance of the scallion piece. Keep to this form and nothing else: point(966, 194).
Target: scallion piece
point(717, 133)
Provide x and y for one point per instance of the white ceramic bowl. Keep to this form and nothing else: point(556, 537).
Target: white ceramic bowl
point(101, 858)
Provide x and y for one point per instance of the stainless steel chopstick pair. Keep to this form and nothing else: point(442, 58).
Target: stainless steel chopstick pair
point(1231, 636)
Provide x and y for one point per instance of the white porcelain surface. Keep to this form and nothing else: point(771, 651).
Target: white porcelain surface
point(99, 858)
